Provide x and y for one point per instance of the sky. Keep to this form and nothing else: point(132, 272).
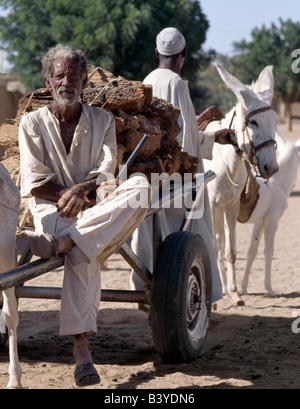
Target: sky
point(233, 20)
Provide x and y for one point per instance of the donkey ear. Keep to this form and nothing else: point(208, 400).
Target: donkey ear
point(233, 83)
point(248, 98)
point(264, 86)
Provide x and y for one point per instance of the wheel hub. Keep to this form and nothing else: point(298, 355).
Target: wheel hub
point(193, 298)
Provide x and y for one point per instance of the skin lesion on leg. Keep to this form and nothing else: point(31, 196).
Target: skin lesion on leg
point(85, 373)
point(82, 351)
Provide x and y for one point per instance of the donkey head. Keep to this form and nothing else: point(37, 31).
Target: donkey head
point(255, 119)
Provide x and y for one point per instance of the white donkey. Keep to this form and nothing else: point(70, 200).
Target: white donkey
point(272, 202)
point(9, 212)
point(255, 125)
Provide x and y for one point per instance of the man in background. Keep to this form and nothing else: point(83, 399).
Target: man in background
point(166, 82)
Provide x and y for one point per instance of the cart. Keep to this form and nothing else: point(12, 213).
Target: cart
point(179, 292)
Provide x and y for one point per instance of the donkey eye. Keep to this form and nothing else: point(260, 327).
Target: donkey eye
point(253, 123)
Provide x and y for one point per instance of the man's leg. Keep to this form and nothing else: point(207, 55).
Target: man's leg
point(105, 227)
point(85, 372)
point(80, 302)
point(100, 232)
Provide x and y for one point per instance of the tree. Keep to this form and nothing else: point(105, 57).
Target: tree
point(118, 35)
point(272, 46)
point(209, 89)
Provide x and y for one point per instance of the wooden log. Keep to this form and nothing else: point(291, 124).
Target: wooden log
point(136, 113)
point(119, 93)
point(131, 139)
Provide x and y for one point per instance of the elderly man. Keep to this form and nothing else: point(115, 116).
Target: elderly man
point(167, 84)
point(67, 150)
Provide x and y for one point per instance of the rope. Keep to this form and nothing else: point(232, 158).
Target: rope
point(227, 173)
point(226, 169)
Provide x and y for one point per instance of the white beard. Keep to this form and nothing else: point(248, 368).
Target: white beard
point(63, 100)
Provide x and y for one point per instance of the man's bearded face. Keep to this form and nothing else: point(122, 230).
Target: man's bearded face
point(66, 82)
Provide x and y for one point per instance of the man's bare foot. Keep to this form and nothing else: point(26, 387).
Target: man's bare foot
point(85, 373)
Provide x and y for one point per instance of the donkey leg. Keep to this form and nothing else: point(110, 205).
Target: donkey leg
point(220, 251)
point(230, 230)
point(10, 309)
point(219, 243)
point(270, 231)
point(252, 253)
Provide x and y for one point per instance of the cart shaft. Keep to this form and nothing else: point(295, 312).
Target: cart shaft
point(36, 268)
point(54, 293)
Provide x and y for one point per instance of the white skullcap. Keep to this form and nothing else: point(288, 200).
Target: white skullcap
point(170, 41)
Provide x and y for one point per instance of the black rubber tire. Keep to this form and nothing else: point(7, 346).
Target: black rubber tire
point(182, 273)
point(3, 335)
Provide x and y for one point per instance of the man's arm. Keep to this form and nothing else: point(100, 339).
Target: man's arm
point(49, 191)
point(226, 137)
point(70, 201)
point(223, 136)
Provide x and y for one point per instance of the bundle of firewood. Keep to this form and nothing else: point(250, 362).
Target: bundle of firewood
point(136, 113)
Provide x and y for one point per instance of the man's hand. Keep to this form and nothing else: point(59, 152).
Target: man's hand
point(107, 187)
point(72, 201)
point(226, 136)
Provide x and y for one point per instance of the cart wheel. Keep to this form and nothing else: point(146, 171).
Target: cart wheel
point(3, 328)
point(181, 295)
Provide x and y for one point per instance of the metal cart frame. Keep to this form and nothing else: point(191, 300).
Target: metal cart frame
point(179, 325)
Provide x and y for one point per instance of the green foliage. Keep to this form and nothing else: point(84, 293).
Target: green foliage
point(118, 35)
point(209, 89)
point(271, 46)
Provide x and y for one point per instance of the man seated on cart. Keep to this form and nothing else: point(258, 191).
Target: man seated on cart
point(66, 147)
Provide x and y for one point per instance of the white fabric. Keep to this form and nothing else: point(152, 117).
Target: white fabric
point(170, 41)
point(44, 158)
point(97, 231)
point(169, 86)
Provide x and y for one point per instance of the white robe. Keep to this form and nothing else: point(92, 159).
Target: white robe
point(170, 86)
point(97, 231)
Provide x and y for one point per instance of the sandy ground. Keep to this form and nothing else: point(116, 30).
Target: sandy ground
point(252, 346)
